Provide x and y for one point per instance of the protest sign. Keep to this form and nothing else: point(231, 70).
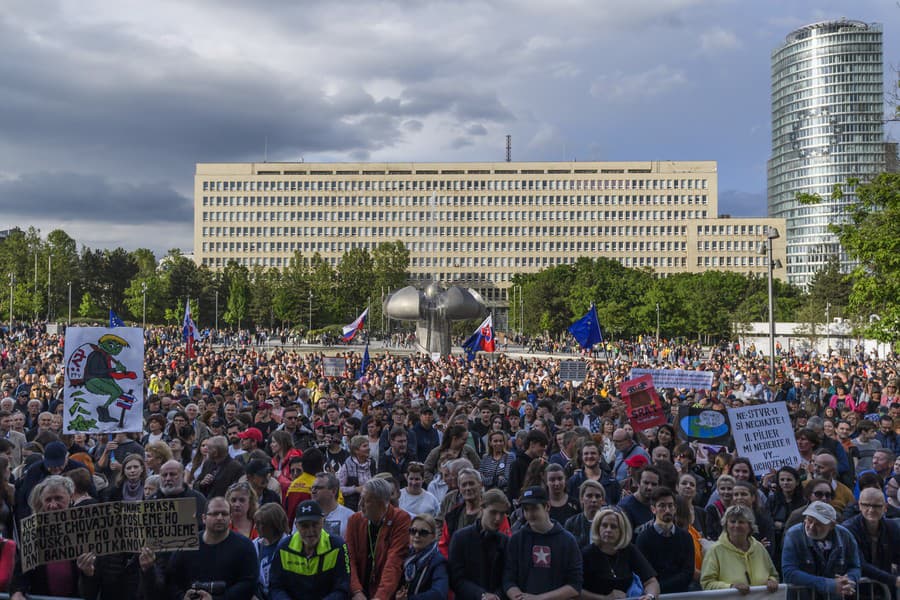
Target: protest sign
point(104, 380)
point(334, 366)
point(572, 370)
point(109, 528)
point(642, 403)
point(703, 425)
point(763, 433)
point(677, 378)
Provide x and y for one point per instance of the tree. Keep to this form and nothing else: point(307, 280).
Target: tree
point(872, 237)
point(830, 286)
point(291, 301)
point(236, 310)
point(89, 307)
point(355, 282)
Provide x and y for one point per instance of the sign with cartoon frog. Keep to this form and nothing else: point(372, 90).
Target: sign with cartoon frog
point(104, 380)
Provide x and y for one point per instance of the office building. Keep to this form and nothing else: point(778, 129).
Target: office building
point(827, 127)
point(476, 223)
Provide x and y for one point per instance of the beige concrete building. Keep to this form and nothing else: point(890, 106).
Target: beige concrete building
point(476, 223)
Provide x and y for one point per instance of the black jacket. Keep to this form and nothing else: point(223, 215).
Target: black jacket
point(877, 567)
point(476, 562)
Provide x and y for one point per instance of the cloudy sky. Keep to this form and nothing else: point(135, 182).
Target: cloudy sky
point(105, 107)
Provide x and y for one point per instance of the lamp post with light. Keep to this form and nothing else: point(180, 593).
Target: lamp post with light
point(766, 249)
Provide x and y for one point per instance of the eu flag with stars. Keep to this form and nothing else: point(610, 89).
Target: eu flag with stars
point(114, 320)
point(586, 330)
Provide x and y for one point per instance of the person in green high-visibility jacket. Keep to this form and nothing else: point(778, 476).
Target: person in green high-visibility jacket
point(311, 563)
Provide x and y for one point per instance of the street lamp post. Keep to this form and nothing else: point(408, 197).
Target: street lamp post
point(828, 328)
point(309, 328)
point(69, 321)
point(657, 323)
point(12, 283)
point(144, 305)
point(217, 312)
point(771, 234)
point(49, 270)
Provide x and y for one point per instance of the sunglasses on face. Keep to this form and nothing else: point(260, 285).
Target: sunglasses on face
point(828, 495)
point(420, 532)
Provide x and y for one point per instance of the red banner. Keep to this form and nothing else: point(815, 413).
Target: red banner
point(642, 403)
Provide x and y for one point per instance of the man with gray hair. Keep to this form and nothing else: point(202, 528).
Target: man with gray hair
point(219, 471)
point(378, 538)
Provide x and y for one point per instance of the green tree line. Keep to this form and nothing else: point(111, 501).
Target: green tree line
point(43, 272)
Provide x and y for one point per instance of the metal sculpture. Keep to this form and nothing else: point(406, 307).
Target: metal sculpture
point(433, 308)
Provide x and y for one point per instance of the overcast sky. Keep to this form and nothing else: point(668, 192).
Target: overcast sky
point(106, 107)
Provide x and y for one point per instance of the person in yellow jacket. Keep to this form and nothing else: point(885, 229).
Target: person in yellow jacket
point(738, 560)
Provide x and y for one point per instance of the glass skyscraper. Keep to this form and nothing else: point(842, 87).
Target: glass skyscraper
point(827, 127)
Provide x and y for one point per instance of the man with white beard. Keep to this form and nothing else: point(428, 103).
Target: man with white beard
point(171, 485)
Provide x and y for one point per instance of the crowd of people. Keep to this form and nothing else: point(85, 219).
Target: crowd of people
point(410, 477)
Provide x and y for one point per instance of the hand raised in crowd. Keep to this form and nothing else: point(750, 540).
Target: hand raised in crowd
point(86, 563)
point(146, 559)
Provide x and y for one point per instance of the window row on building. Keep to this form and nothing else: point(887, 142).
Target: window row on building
point(292, 185)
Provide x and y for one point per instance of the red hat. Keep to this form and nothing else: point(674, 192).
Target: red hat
point(251, 433)
point(637, 461)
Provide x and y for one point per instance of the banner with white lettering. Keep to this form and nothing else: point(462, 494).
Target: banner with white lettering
point(334, 366)
point(763, 433)
point(677, 378)
point(642, 403)
point(104, 380)
point(161, 525)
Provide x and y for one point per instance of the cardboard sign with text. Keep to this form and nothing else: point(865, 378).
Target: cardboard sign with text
point(109, 528)
point(642, 403)
point(763, 433)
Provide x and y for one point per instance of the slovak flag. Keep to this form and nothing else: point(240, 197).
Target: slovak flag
point(351, 329)
point(482, 339)
point(189, 331)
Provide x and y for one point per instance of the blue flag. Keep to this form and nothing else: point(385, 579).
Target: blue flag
point(586, 330)
point(364, 365)
point(114, 320)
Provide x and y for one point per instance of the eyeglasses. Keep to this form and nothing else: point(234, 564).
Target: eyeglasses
point(316, 488)
point(828, 495)
point(417, 532)
point(866, 505)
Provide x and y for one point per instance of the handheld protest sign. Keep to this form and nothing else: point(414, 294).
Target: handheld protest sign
point(110, 528)
point(104, 380)
point(642, 403)
point(763, 433)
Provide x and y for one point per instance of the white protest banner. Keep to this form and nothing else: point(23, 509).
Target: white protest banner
point(763, 433)
point(109, 528)
point(677, 378)
point(334, 366)
point(104, 380)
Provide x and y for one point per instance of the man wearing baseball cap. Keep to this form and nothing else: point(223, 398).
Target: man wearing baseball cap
point(542, 557)
point(311, 563)
point(820, 558)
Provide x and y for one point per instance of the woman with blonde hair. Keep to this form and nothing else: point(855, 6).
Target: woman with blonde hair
point(613, 566)
point(244, 503)
point(425, 574)
point(738, 560)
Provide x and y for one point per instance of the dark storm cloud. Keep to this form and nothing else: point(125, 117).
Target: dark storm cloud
point(476, 129)
point(78, 197)
point(173, 108)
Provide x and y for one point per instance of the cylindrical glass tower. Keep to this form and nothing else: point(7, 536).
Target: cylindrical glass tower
point(827, 127)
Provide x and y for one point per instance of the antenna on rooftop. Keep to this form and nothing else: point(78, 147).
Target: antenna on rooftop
point(508, 148)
